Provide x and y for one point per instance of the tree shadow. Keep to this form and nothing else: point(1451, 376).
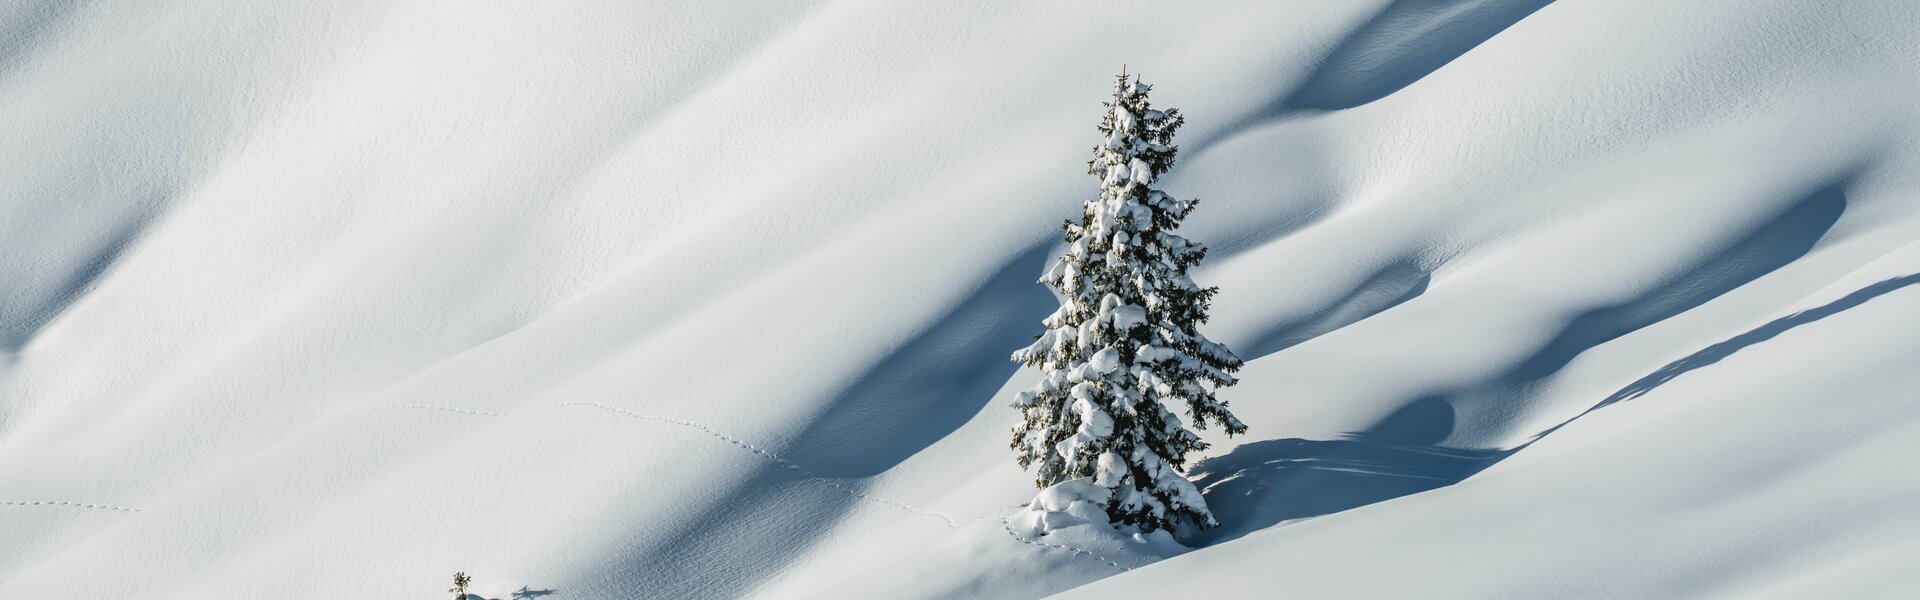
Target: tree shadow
point(519, 594)
point(1407, 41)
point(1266, 483)
point(1490, 404)
point(1262, 484)
point(1715, 353)
point(1391, 286)
point(1720, 351)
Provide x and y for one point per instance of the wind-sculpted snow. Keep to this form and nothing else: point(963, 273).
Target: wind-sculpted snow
point(689, 300)
point(1406, 41)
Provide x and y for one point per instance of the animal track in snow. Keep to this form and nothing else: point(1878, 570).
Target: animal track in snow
point(802, 471)
point(1081, 551)
point(950, 522)
point(72, 504)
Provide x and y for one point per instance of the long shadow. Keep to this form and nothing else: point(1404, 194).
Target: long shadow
point(1783, 239)
point(933, 384)
point(907, 401)
point(1391, 286)
point(912, 398)
point(1261, 484)
point(1407, 41)
point(1715, 353)
point(1265, 483)
point(751, 530)
point(519, 594)
point(35, 309)
point(28, 24)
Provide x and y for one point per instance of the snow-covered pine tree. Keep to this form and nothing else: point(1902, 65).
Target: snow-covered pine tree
point(459, 589)
point(1124, 342)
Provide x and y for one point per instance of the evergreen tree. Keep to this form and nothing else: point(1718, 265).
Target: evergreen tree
point(1124, 342)
point(459, 589)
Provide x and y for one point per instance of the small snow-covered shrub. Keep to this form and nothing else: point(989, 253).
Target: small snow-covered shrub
point(459, 589)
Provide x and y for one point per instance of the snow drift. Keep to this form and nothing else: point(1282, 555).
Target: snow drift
point(676, 299)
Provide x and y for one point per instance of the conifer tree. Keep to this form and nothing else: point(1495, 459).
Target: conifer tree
point(459, 589)
point(1124, 344)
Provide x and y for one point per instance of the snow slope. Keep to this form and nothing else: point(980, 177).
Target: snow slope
point(1580, 298)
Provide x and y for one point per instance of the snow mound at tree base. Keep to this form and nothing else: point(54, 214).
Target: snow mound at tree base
point(1070, 503)
point(1072, 513)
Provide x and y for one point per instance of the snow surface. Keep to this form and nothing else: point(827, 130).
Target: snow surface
point(1587, 298)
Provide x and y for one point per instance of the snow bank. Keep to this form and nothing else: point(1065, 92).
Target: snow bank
point(687, 300)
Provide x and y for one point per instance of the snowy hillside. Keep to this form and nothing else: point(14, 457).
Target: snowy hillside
point(1576, 298)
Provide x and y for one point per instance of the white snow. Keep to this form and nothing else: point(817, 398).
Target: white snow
point(1104, 361)
point(686, 300)
point(1066, 495)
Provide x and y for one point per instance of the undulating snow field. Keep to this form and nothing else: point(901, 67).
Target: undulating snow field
point(1540, 299)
